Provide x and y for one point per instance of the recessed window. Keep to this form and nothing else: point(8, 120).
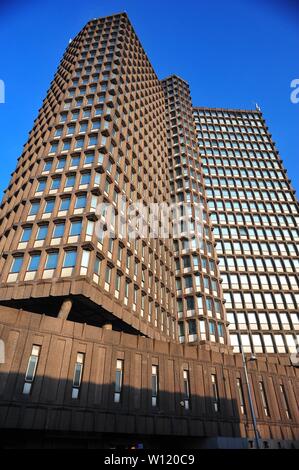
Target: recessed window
point(54, 147)
point(96, 124)
point(70, 259)
point(61, 163)
point(75, 161)
point(27, 231)
point(52, 260)
point(89, 159)
point(58, 132)
point(78, 371)
point(42, 232)
point(83, 126)
point(155, 385)
point(56, 183)
point(49, 206)
point(66, 145)
point(31, 369)
point(71, 129)
point(70, 181)
point(118, 380)
point(264, 399)
point(241, 396)
point(47, 165)
point(85, 178)
point(215, 398)
point(17, 264)
point(65, 204)
point(34, 262)
point(93, 140)
point(186, 383)
point(59, 230)
point(76, 228)
point(79, 143)
point(81, 201)
point(34, 208)
point(212, 328)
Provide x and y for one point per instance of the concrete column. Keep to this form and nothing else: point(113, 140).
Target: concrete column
point(65, 309)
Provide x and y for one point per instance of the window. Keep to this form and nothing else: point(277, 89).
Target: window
point(70, 259)
point(215, 398)
point(118, 380)
point(52, 259)
point(188, 282)
point(85, 178)
point(54, 147)
point(66, 145)
point(78, 375)
point(65, 204)
point(81, 201)
point(34, 262)
point(192, 327)
point(108, 274)
point(285, 401)
point(220, 330)
point(56, 183)
point(17, 264)
point(212, 328)
point(75, 161)
point(241, 396)
point(264, 398)
point(155, 385)
point(41, 186)
point(83, 126)
point(49, 206)
point(26, 234)
point(190, 303)
point(186, 389)
point(89, 158)
point(34, 208)
point(93, 140)
point(117, 282)
point(70, 129)
point(76, 228)
point(61, 163)
point(58, 132)
point(59, 230)
point(79, 143)
point(31, 369)
point(70, 181)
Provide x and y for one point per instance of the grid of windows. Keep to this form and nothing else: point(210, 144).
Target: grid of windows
point(200, 306)
point(255, 216)
point(106, 139)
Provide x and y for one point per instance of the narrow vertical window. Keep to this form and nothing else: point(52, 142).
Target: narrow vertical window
point(216, 401)
point(241, 396)
point(155, 385)
point(31, 369)
point(186, 389)
point(264, 399)
point(285, 401)
point(118, 380)
point(78, 371)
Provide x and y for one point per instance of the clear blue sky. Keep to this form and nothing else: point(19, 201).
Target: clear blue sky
point(232, 53)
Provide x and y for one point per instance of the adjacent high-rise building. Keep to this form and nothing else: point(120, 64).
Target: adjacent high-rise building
point(255, 215)
point(131, 334)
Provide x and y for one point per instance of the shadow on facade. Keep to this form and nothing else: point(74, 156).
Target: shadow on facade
point(50, 418)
